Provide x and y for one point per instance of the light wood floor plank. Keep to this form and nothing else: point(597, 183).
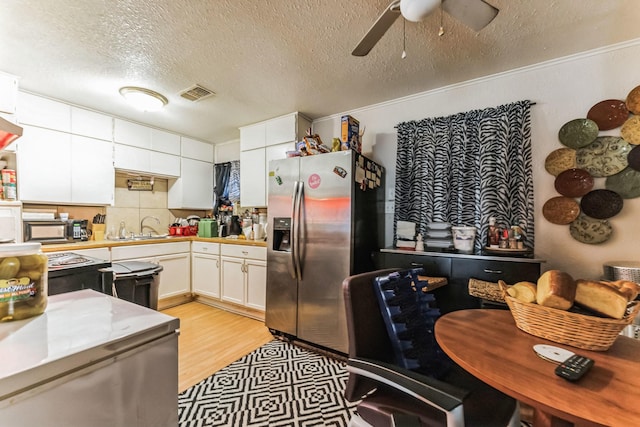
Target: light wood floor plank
point(211, 339)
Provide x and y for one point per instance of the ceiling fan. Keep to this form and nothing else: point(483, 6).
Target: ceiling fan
point(475, 14)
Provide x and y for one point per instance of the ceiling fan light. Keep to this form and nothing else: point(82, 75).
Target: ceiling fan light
point(143, 99)
point(417, 10)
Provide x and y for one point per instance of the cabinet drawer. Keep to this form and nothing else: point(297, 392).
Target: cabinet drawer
point(150, 250)
point(206, 248)
point(493, 271)
point(242, 251)
point(433, 266)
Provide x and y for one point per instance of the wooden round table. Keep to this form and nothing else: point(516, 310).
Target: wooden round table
point(487, 344)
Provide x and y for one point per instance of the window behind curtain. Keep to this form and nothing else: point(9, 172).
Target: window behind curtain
point(466, 168)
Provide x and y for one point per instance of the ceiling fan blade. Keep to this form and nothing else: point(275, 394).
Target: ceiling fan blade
point(378, 29)
point(475, 14)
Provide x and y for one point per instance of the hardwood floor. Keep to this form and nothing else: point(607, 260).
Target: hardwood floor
point(211, 339)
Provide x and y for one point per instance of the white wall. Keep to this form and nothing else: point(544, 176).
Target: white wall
point(563, 89)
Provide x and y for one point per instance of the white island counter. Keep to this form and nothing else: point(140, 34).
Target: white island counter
point(90, 360)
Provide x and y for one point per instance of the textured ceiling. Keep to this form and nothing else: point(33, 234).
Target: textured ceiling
point(264, 59)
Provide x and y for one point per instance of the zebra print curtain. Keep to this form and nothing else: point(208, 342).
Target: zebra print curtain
point(466, 168)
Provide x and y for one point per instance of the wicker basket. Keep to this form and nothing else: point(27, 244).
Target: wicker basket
point(565, 327)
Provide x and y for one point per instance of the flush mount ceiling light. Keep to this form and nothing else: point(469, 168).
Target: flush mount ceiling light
point(143, 99)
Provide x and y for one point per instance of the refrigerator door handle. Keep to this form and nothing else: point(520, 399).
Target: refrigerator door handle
point(298, 223)
point(292, 243)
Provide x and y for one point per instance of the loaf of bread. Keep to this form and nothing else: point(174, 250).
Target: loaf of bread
point(556, 289)
point(523, 291)
point(627, 288)
point(601, 298)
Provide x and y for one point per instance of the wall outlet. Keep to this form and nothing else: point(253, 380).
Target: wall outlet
point(389, 207)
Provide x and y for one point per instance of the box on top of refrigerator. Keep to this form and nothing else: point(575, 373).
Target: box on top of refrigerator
point(350, 134)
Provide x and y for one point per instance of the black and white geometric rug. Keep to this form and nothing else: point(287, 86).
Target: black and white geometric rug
point(278, 384)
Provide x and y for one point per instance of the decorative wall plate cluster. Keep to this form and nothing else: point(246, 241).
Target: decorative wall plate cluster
point(586, 155)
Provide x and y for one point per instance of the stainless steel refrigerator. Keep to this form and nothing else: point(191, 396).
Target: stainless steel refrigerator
point(325, 222)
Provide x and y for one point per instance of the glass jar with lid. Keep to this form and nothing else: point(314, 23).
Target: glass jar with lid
point(23, 281)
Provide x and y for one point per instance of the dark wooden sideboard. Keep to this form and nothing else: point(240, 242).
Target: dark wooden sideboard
point(458, 269)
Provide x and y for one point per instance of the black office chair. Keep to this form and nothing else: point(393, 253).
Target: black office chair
point(391, 395)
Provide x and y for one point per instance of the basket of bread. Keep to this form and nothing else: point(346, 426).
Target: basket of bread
point(581, 313)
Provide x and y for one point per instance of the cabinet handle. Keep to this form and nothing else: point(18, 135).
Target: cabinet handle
point(486, 270)
point(217, 263)
point(416, 264)
point(245, 252)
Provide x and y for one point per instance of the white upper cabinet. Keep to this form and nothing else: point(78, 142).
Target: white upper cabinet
point(197, 150)
point(194, 188)
point(284, 129)
point(253, 136)
point(43, 112)
point(165, 142)
point(57, 167)
point(8, 93)
point(261, 143)
point(92, 124)
point(133, 134)
point(146, 150)
point(92, 174)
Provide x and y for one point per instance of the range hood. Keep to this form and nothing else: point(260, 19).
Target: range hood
point(9, 132)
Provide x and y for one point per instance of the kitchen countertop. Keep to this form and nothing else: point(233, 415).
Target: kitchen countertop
point(91, 244)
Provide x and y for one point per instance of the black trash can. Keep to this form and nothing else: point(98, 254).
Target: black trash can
point(133, 281)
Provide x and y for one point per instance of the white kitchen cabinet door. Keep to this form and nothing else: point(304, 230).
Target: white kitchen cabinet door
point(165, 142)
point(91, 124)
point(175, 278)
point(8, 93)
point(133, 134)
point(130, 158)
point(143, 161)
point(44, 166)
point(163, 164)
point(232, 279)
point(194, 188)
point(196, 150)
point(256, 283)
point(43, 112)
point(92, 174)
point(205, 274)
point(253, 178)
point(281, 129)
point(253, 136)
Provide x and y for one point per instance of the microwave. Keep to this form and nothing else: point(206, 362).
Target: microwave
point(50, 231)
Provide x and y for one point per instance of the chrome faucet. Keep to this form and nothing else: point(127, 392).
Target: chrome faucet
point(147, 217)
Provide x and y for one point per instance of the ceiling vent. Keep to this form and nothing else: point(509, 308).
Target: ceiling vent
point(196, 93)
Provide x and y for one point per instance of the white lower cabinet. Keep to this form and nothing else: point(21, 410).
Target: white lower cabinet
point(205, 269)
point(175, 259)
point(244, 275)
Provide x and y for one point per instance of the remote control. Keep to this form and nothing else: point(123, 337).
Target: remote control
point(574, 367)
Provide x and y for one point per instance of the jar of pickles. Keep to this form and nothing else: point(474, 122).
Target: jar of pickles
point(23, 281)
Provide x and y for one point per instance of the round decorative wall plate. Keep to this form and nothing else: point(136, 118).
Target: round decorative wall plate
point(625, 183)
point(601, 204)
point(590, 230)
point(605, 156)
point(574, 182)
point(561, 210)
point(630, 130)
point(578, 133)
point(560, 160)
point(633, 100)
point(609, 114)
